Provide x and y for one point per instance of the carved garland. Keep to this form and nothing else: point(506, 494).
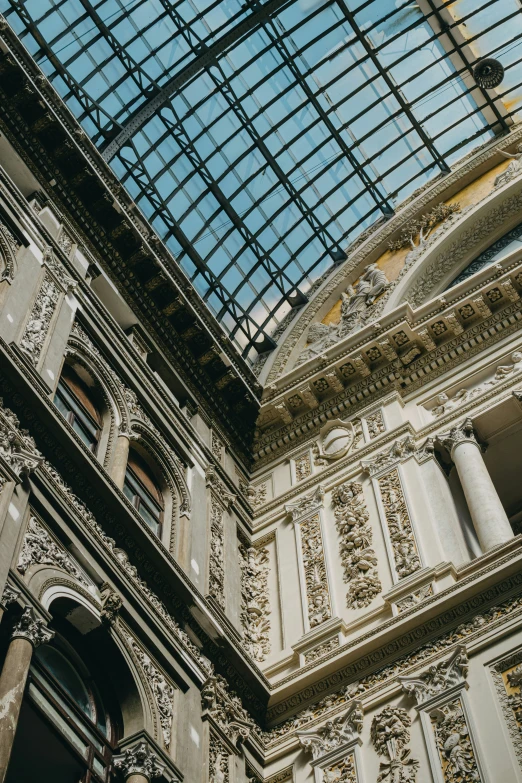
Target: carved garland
point(316, 579)
point(405, 552)
point(357, 557)
point(255, 606)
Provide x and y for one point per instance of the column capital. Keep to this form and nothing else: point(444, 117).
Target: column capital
point(32, 628)
point(460, 433)
point(139, 760)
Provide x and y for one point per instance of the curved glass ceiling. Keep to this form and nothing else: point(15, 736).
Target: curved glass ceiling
point(260, 138)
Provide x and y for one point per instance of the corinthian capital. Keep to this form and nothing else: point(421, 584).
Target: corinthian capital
point(139, 760)
point(460, 433)
point(32, 628)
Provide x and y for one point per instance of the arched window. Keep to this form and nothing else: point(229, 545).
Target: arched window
point(142, 490)
point(74, 400)
point(65, 733)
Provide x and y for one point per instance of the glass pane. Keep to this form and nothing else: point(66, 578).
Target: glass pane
point(64, 672)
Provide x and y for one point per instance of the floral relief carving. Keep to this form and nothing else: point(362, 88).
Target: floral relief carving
point(216, 586)
point(140, 761)
point(397, 452)
point(322, 649)
point(390, 733)
point(343, 771)
point(32, 628)
point(316, 579)
point(405, 552)
point(507, 676)
point(453, 741)
point(216, 445)
point(357, 557)
point(40, 549)
point(375, 424)
point(162, 691)
point(303, 466)
point(8, 249)
point(414, 598)
point(255, 605)
point(37, 326)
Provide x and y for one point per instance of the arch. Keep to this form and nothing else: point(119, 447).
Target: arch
point(176, 492)
point(81, 350)
point(429, 274)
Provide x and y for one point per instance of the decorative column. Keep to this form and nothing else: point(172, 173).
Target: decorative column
point(487, 513)
point(335, 747)
point(138, 764)
point(441, 700)
point(28, 633)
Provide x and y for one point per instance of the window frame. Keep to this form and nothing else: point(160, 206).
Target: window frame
point(144, 497)
point(85, 419)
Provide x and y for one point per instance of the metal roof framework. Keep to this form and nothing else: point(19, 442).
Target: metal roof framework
point(260, 139)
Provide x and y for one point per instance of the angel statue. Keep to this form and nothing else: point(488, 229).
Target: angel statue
point(513, 170)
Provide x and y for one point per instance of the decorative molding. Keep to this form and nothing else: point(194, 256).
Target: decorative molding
point(507, 677)
point(358, 559)
point(39, 548)
point(455, 748)
point(10, 595)
point(225, 712)
point(375, 424)
point(218, 761)
point(112, 604)
point(397, 452)
point(315, 575)
point(255, 605)
point(139, 760)
point(339, 731)
point(8, 249)
point(438, 678)
point(306, 504)
point(390, 733)
point(405, 551)
point(459, 433)
point(32, 628)
point(18, 452)
point(336, 439)
point(322, 649)
point(414, 599)
point(162, 691)
point(303, 466)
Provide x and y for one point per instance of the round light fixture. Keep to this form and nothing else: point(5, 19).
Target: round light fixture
point(488, 73)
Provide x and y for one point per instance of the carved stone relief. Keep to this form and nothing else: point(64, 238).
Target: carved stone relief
point(18, 450)
point(390, 733)
point(507, 676)
point(446, 404)
point(512, 171)
point(375, 424)
point(162, 691)
point(218, 764)
point(335, 733)
point(39, 548)
point(322, 649)
point(255, 606)
point(216, 446)
point(438, 678)
point(303, 466)
point(316, 580)
point(336, 439)
point(357, 557)
point(356, 310)
point(414, 598)
point(452, 738)
point(216, 586)
point(32, 628)
point(225, 711)
point(405, 552)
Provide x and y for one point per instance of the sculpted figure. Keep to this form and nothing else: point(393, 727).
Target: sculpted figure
point(513, 170)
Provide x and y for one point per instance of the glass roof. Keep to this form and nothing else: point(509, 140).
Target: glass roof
point(261, 138)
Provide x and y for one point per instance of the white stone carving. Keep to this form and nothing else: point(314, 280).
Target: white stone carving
point(305, 504)
point(336, 732)
point(414, 598)
point(390, 733)
point(225, 710)
point(397, 452)
point(255, 606)
point(438, 678)
point(162, 691)
point(375, 424)
point(40, 549)
point(512, 171)
point(405, 552)
point(220, 499)
point(303, 466)
point(218, 765)
point(446, 404)
point(356, 311)
point(336, 438)
point(452, 738)
point(314, 565)
point(357, 557)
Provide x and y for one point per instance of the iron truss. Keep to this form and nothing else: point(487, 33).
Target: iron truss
point(259, 139)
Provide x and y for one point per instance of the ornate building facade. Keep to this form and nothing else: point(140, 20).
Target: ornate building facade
point(306, 568)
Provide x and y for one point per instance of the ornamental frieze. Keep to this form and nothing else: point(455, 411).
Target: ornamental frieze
point(255, 605)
